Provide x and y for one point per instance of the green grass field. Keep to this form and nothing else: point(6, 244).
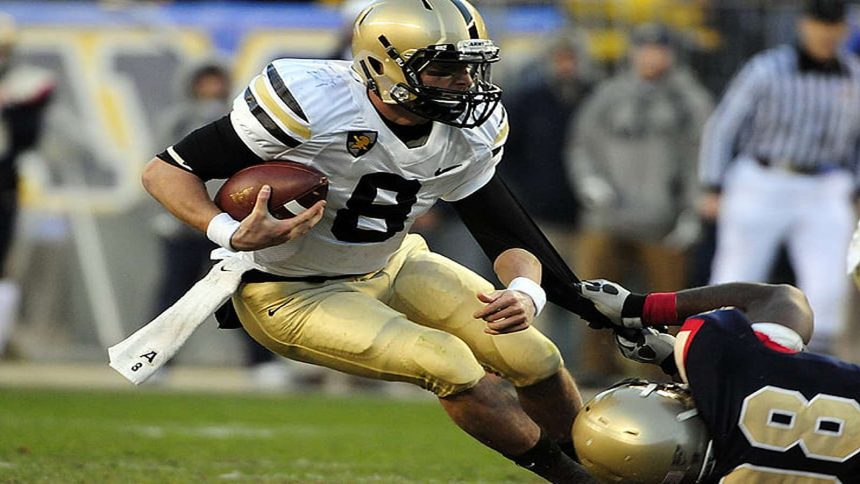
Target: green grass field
point(146, 436)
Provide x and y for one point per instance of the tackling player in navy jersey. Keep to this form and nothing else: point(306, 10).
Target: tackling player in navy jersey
point(771, 412)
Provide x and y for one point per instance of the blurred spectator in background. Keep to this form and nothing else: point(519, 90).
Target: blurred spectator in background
point(779, 157)
point(24, 94)
point(633, 164)
point(542, 111)
point(205, 95)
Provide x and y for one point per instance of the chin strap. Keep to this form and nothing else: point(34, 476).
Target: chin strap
point(371, 84)
point(395, 56)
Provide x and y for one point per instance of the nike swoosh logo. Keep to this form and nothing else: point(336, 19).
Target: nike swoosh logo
point(275, 309)
point(447, 169)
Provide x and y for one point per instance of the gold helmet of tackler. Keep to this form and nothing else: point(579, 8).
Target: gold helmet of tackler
point(395, 40)
point(641, 432)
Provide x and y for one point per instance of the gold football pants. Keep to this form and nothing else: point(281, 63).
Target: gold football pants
point(411, 321)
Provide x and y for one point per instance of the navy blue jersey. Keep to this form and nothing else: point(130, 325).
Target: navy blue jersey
point(774, 416)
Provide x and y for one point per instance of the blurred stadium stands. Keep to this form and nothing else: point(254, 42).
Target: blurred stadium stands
point(85, 256)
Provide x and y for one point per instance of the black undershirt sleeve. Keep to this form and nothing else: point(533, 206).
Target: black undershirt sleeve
point(498, 222)
point(212, 151)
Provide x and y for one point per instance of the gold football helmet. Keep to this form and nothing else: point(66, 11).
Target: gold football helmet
point(642, 432)
point(394, 41)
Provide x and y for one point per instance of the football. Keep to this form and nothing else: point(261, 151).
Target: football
point(295, 187)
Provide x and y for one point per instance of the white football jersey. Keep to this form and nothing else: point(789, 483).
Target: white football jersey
point(317, 112)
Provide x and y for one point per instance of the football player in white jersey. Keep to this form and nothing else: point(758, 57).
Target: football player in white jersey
point(414, 118)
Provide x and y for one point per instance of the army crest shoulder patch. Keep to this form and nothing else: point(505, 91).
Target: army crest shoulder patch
point(360, 142)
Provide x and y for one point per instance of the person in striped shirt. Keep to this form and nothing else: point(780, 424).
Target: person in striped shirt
point(779, 160)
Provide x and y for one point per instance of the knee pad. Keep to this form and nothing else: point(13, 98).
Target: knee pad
point(437, 289)
point(445, 363)
point(528, 364)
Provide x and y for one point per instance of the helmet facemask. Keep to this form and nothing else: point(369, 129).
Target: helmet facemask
point(461, 108)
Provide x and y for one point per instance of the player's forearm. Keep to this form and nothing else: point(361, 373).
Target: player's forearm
point(514, 263)
point(742, 295)
point(762, 303)
point(182, 193)
point(782, 304)
point(697, 300)
point(513, 309)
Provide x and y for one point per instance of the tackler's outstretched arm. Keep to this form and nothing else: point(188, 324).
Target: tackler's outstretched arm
point(499, 222)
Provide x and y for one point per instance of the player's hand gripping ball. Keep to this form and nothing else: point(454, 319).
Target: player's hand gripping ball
point(295, 188)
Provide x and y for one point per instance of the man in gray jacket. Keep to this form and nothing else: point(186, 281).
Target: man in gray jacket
point(633, 162)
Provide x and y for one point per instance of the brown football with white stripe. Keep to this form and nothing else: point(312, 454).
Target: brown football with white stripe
point(295, 188)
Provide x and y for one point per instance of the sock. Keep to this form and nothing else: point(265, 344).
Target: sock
point(547, 460)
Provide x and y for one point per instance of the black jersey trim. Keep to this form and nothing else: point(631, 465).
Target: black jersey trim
point(284, 93)
point(166, 157)
point(211, 151)
point(267, 121)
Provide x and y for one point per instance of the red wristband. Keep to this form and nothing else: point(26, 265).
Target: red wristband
point(660, 308)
